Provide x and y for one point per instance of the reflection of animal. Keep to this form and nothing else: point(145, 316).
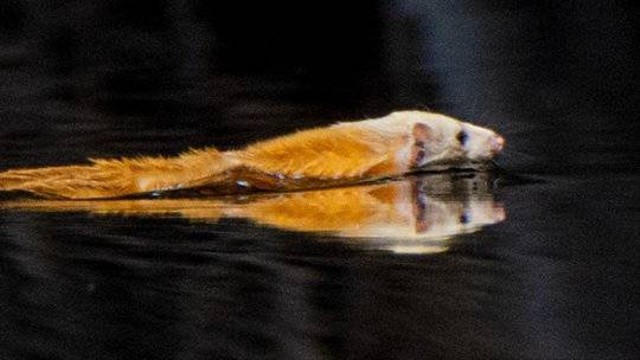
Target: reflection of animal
point(398, 215)
point(395, 144)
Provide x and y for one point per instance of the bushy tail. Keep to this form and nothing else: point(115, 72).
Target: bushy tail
point(107, 178)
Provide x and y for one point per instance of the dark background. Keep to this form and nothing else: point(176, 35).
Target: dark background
point(558, 279)
point(559, 80)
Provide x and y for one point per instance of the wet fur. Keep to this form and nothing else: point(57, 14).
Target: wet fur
point(367, 149)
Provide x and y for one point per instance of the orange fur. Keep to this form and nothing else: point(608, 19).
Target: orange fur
point(328, 153)
point(313, 154)
point(329, 210)
point(106, 178)
point(345, 152)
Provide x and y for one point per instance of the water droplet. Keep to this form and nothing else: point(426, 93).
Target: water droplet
point(243, 183)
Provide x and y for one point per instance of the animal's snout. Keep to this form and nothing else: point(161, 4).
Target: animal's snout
point(499, 213)
point(497, 143)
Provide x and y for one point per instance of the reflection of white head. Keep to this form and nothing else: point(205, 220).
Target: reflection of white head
point(443, 220)
point(419, 223)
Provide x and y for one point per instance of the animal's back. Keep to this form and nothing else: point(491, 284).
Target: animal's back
point(391, 145)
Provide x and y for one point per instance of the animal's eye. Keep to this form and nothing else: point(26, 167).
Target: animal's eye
point(462, 137)
point(464, 218)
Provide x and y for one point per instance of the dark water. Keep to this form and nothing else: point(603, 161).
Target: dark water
point(553, 275)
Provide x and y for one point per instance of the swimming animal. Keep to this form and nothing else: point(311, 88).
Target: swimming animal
point(399, 143)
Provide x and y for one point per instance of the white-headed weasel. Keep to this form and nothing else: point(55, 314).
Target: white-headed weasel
point(398, 143)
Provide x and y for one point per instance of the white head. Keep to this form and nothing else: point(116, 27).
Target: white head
point(438, 139)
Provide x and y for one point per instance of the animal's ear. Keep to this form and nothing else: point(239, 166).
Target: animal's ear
point(421, 132)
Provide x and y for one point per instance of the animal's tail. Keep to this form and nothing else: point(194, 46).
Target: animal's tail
point(107, 178)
